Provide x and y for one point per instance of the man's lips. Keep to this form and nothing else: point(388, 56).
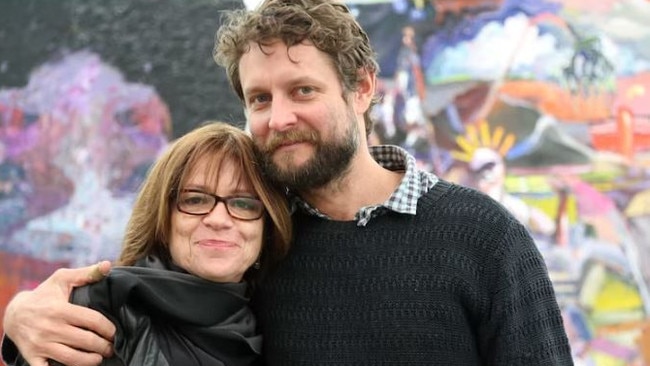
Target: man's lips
point(289, 145)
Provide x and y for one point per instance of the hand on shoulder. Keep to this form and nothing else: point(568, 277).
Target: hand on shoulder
point(44, 325)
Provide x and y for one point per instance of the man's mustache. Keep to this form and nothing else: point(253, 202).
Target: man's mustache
point(290, 137)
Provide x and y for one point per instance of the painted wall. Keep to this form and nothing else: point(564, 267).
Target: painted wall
point(543, 104)
point(88, 93)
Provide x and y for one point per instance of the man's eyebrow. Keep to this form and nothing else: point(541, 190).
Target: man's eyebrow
point(291, 82)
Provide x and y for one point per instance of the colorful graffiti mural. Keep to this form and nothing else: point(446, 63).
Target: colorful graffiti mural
point(75, 144)
point(545, 106)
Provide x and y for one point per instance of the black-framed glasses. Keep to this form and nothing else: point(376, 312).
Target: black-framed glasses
point(195, 202)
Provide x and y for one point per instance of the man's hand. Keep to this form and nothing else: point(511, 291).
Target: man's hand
point(44, 325)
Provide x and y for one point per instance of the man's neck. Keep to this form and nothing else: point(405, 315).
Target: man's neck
point(366, 183)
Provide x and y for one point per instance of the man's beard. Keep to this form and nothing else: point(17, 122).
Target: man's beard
point(329, 162)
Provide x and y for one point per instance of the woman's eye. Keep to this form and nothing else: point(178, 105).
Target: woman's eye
point(244, 203)
point(194, 200)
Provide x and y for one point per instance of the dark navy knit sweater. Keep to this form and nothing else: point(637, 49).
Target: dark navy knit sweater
point(460, 283)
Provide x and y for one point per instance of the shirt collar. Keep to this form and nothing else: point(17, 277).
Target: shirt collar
point(404, 199)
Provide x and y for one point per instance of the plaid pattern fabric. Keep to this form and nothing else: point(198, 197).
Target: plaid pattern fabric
point(404, 200)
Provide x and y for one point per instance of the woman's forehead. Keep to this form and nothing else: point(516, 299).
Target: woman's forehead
point(215, 171)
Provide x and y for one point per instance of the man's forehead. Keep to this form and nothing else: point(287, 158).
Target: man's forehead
point(269, 47)
point(254, 69)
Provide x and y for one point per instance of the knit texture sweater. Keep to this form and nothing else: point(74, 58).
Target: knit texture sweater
point(459, 283)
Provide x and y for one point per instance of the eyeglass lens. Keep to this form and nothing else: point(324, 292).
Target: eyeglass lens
point(200, 203)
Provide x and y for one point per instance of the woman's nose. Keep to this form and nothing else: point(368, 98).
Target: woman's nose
point(218, 216)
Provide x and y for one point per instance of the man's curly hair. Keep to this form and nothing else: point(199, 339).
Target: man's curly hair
point(327, 24)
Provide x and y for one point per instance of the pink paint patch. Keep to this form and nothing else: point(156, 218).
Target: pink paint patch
point(613, 349)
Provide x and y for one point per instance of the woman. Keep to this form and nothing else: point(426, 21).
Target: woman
point(203, 225)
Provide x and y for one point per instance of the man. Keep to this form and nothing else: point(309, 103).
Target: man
point(390, 265)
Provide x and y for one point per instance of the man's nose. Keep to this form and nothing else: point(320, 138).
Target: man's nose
point(283, 115)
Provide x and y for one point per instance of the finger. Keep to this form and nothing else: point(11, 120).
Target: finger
point(99, 271)
point(39, 353)
point(82, 327)
point(36, 361)
point(68, 278)
point(85, 341)
point(63, 339)
point(73, 357)
point(69, 324)
point(102, 329)
point(39, 322)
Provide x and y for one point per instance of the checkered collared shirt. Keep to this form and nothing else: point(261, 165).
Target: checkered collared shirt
point(404, 200)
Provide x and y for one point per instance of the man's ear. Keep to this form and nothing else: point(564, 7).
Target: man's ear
point(365, 92)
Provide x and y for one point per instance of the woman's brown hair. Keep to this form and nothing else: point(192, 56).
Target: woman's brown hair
point(149, 227)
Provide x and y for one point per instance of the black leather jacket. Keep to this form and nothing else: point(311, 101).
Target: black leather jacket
point(166, 317)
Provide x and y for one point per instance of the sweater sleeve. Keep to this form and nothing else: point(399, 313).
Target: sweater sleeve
point(525, 325)
point(12, 357)
point(9, 351)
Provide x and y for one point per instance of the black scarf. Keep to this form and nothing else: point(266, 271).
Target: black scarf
point(194, 321)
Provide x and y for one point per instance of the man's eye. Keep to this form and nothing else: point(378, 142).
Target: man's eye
point(261, 99)
point(305, 90)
